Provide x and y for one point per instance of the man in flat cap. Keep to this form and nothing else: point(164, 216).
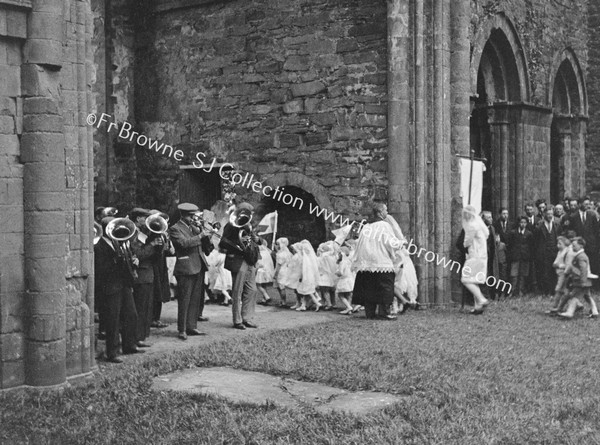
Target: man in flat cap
point(188, 239)
point(241, 261)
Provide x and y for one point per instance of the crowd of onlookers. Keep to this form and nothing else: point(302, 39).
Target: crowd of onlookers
point(542, 250)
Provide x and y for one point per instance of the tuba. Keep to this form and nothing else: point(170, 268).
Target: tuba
point(97, 232)
point(158, 226)
point(121, 231)
point(241, 220)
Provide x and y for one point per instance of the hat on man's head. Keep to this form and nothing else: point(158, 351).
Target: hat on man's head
point(187, 207)
point(138, 211)
point(106, 220)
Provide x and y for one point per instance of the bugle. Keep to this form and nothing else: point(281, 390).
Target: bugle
point(121, 231)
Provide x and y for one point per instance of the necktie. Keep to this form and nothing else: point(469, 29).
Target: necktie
point(583, 217)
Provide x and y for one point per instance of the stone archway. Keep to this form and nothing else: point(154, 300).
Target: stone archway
point(567, 94)
point(297, 223)
point(500, 87)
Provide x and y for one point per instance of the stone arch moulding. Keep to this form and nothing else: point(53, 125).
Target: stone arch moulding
point(304, 182)
point(569, 56)
point(501, 22)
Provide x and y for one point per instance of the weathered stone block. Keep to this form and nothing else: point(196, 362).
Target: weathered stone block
point(43, 25)
point(16, 23)
point(11, 80)
point(45, 274)
point(308, 88)
point(43, 52)
point(11, 218)
point(33, 144)
point(294, 106)
point(316, 138)
point(7, 125)
point(40, 105)
point(45, 223)
point(297, 63)
point(323, 119)
point(38, 81)
point(268, 66)
point(346, 45)
point(45, 363)
point(321, 46)
point(12, 374)
point(46, 327)
point(8, 106)
point(44, 176)
point(47, 123)
point(288, 141)
point(9, 144)
point(372, 120)
point(281, 95)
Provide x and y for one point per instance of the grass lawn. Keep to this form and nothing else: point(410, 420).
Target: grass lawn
point(511, 376)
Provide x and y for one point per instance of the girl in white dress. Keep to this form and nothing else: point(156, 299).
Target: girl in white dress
point(307, 286)
point(264, 271)
point(219, 278)
point(295, 273)
point(476, 233)
point(282, 268)
point(346, 276)
point(327, 262)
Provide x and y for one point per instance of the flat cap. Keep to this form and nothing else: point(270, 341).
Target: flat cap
point(139, 211)
point(188, 208)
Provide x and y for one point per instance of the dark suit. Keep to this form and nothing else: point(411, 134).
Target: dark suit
point(519, 255)
point(243, 294)
point(115, 283)
point(590, 232)
point(492, 263)
point(189, 272)
point(503, 230)
point(545, 253)
point(143, 285)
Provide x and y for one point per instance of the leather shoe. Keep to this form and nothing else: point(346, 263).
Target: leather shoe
point(195, 332)
point(249, 325)
point(239, 326)
point(182, 336)
point(114, 360)
point(389, 317)
point(201, 318)
point(139, 344)
point(133, 351)
point(593, 316)
point(476, 312)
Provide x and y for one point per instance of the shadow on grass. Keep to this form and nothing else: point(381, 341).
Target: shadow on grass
point(512, 375)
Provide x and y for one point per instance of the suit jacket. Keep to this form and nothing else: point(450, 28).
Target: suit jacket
point(545, 241)
point(503, 232)
point(531, 227)
point(110, 271)
point(187, 242)
point(590, 231)
point(579, 269)
point(148, 255)
point(520, 246)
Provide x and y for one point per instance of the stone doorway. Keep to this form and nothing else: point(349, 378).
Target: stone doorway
point(296, 223)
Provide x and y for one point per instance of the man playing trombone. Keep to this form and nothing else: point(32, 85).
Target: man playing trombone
point(188, 238)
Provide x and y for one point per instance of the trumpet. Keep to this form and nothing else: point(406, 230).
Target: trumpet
point(121, 231)
point(97, 232)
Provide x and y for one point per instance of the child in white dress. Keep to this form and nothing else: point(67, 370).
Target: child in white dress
point(295, 273)
point(345, 283)
point(218, 278)
point(307, 286)
point(264, 271)
point(282, 268)
point(327, 262)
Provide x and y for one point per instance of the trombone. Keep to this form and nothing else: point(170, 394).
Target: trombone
point(121, 231)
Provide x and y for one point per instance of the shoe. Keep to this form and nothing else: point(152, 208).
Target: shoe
point(476, 312)
point(565, 315)
point(139, 344)
point(301, 308)
point(133, 351)
point(193, 332)
point(294, 307)
point(264, 302)
point(346, 312)
point(389, 317)
point(114, 360)
point(249, 325)
point(317, 307)
point(551, 312)
point(159, 324)
point(283, 305)
point(182, 336)
point(239, 326)
point(201, 318)
point(328, 308)
point(593, 316)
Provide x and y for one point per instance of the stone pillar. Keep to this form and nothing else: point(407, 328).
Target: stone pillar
point(563, 125)
point(579, 136)
point(499, 129)
point(43, 156)
point(399, 153)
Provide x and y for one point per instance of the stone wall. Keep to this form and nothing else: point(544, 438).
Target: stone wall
point(45, 285)
point(593, 84)
point(273, 87)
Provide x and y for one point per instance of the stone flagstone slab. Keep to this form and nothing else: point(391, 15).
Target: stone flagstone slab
point(259, 388)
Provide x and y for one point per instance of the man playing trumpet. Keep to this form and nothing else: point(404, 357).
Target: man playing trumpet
point(188, 239)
